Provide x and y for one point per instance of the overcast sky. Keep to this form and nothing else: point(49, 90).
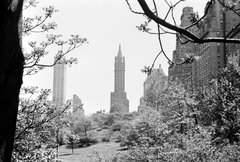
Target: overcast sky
point(106, 24)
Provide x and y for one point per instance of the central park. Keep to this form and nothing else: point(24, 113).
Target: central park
point(191, 114)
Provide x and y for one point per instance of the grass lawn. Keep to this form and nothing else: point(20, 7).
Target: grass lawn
point(83, 154)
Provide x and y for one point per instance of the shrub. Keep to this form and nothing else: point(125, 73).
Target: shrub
point(93, 141)
point(116, 126)
point(105, 139)
point(41, 154)
point(118, 138)
point(99, 129)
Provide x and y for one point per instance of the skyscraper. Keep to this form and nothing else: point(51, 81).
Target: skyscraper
point(77, 107)
point(119, 96)
point(59, 82)
point(182, 72)
point(212, 56)
point(217, 23)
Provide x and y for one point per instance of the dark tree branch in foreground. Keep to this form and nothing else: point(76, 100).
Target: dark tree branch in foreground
point(181, 30)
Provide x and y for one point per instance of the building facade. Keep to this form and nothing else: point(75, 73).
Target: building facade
point(182, 72)
point(155, 82)
point(119, 96)
point(59, 82)
point(234, 48)
point(213, 56)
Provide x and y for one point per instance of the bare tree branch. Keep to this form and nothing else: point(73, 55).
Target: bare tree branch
point(205, 14)
point(141, 13)
point(183, 31)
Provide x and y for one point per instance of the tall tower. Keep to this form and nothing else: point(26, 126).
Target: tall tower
point(119, 96)
point(59, 82)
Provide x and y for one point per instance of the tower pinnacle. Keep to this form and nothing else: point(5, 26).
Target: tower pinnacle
point(120, 51)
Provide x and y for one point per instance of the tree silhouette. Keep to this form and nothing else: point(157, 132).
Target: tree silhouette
point(11, 72)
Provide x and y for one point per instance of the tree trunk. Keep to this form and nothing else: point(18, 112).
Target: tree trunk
point(11, 70)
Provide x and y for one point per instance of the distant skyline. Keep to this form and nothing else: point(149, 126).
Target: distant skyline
point(106, 24)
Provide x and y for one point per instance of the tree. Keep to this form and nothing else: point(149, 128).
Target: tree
point(224, 105)
point(11, 72)
point(72, 140)
point(99, 119)
point(216, 107)
point(38, 125)
point(12, 62)
point(111, 119)
point(40, 25)
point(118, 108)
point(171, 127)
point(82, 128)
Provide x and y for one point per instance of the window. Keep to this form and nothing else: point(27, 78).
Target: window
point(218, 47)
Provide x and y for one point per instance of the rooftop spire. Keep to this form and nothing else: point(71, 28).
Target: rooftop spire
point(120, 51)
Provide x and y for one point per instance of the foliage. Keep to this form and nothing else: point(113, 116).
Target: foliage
point(145, 130)
point(112, 118)
point(105, 139)
point(83, 128)
point(41, 154)
point(40, 125)
point(40, 24)
point(175, 104)
point(197, 148)
point(177, 126)
point(72, 140)
point(37, 124)
point(130, 116)
point(99, 118)
point(224, 105)
point(118, 108)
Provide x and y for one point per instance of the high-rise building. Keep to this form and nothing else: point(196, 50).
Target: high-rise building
point(182, 72)
point(119, 95)
point(213, 56)
point(59, 82)
point(218, 22)
point(77, 107)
